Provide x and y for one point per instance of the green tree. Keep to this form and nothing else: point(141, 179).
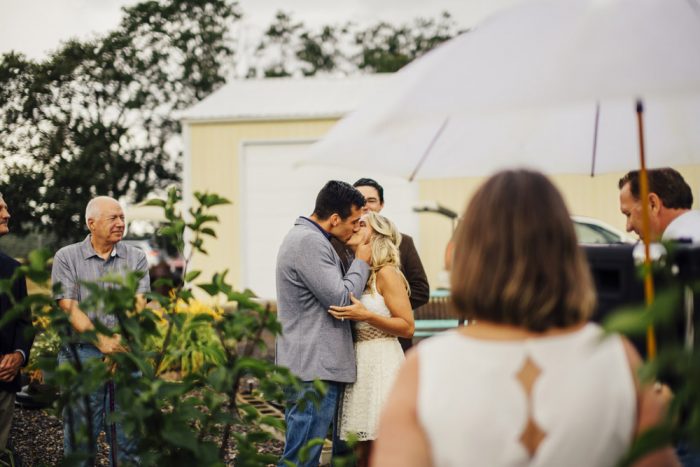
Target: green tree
point(276, 48)
point(385, 48)
point(96, 117)
point(289, 48)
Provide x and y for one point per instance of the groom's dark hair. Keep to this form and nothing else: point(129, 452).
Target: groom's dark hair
point(337, 197)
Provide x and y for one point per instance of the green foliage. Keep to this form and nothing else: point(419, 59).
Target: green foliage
point(634, 320)
point(194, 342)
point(675, 363)
point(304, 453)
point(386, 48)
point(96, 117)
point(291, 49)
point(46, 343)
point(193, 419)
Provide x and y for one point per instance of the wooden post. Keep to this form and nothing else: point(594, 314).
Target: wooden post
point(646, 230)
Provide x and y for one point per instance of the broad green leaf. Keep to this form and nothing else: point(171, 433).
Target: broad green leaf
point(155, 202)
point(192, 275)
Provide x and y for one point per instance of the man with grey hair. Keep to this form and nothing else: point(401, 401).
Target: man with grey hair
point(16, 337)
point(101, 253)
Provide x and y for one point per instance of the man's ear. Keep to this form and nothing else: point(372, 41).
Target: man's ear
point(334, 219)
point(655, 203)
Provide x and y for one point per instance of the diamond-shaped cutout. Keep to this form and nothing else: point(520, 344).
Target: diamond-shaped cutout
point(532, 436)
point(527, 375)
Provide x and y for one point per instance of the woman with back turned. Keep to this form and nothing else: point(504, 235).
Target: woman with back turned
point(530, 382)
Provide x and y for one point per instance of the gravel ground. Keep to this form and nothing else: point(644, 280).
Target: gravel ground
point(38, 439)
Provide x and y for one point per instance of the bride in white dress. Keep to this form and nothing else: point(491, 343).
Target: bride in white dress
point(383, 313)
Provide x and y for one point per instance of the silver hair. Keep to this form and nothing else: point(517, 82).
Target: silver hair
point(92, 210)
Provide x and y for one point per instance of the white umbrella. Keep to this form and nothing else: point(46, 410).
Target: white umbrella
point(545, 84)
point(559, 140)
point(551, 85)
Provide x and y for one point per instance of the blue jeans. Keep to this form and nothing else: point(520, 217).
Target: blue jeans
point(688, 455)
point(306, 421)
point(99, 402)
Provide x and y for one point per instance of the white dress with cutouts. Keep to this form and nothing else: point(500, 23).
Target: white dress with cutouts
point(483, 402)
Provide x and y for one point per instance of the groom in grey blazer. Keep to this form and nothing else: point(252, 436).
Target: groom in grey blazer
point(314, 345)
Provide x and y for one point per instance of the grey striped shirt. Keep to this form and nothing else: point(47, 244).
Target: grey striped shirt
point(77, 263)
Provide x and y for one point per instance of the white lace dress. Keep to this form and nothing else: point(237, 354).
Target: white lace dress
point(378, 361)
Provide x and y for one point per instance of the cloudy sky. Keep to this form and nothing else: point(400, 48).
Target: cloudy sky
point(35, 27)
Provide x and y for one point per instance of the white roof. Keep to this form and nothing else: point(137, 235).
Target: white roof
point(286, 98)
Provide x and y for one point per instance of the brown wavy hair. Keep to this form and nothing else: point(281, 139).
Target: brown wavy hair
point(517, 260)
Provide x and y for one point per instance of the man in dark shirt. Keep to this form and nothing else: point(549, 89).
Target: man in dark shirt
point(411, 265)
point(16, 336)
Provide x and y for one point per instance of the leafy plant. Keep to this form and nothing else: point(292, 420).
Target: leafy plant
point(676, 363)
point(46, 345)
point(193, 420)
point(194, 341)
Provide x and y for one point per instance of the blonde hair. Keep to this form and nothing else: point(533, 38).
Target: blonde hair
point(516, 257)
point(384, 243)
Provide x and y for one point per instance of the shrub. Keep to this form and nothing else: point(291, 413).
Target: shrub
point(188, 421)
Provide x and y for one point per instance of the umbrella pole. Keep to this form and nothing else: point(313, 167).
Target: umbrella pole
point(644, 197)
point(595, 137)
point(436, 136)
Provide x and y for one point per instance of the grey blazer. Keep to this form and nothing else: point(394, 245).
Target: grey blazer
point(313, 344)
